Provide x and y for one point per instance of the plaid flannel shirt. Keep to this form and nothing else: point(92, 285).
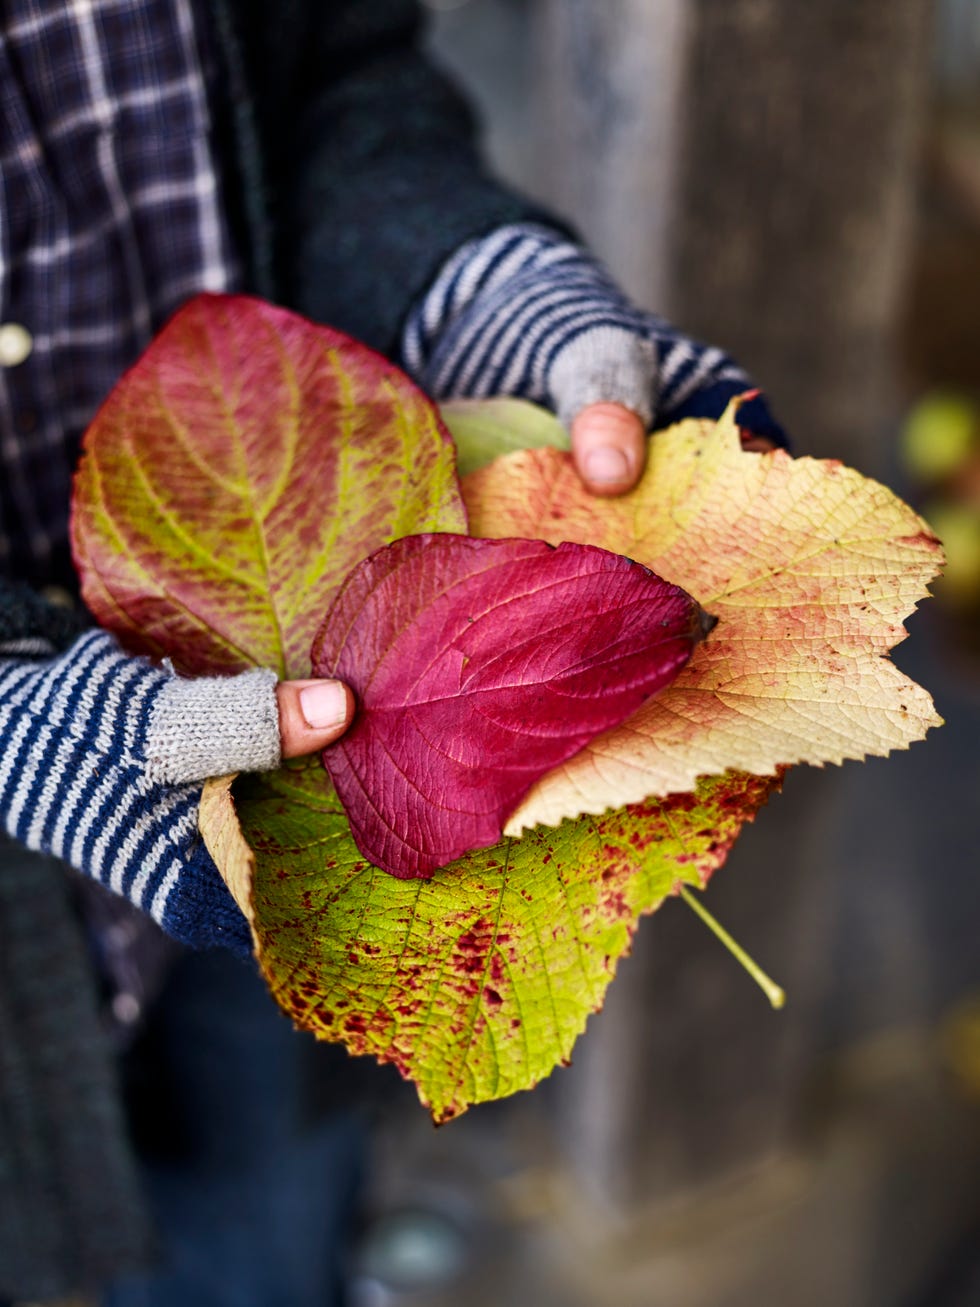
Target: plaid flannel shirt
point(110, 218)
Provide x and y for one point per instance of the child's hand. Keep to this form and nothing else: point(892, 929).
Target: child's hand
point(103, 756)
point(526, 313)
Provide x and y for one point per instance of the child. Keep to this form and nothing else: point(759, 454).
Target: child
point(306, 152)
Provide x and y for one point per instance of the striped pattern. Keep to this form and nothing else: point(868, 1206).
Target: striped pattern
point(75, 783)
point(526, 313)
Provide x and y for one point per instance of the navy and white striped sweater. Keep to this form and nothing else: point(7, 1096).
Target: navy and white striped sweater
point(525, 312)
point(103, 755)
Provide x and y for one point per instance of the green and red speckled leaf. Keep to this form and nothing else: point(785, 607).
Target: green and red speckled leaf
point(478, 665)
point(238, 472)
point(476, 983)
point(810, 569)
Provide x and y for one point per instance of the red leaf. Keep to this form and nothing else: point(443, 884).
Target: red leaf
point(478, 666)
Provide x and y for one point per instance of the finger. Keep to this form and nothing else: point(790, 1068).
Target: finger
point(609, 448)
point(312, 714)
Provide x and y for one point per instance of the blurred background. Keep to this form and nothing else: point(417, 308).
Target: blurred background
point(800, 184)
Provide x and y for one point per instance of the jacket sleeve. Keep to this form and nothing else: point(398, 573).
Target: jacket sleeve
point(371, 156)
point(102, 758)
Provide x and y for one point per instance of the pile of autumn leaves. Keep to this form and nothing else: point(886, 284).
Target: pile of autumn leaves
point(537, 718)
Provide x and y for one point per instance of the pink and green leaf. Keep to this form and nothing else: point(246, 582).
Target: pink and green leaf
point(235, 476)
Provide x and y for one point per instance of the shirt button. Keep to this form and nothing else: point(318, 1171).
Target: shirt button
point(16, 343)
point(126, 1008)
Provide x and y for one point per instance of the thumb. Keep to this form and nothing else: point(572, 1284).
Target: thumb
point(312, 714)
point(609, 448)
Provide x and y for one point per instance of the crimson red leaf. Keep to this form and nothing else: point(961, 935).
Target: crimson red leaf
point(479, 665)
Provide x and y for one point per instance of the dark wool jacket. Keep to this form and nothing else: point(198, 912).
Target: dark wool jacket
point(352, 176)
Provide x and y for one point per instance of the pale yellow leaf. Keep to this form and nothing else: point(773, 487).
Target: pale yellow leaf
point(810, 569)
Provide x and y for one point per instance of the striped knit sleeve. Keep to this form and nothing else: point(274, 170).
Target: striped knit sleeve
point(527, 313)
point(101, 762)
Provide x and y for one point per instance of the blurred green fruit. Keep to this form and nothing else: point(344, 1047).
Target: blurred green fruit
point(958, 527)
point(938, 435)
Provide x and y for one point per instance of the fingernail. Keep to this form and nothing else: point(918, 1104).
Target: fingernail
point(606, 463)
point(324, 705)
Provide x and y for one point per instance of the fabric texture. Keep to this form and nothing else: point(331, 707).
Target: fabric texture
point(369, 159)
point(30, 620)
point(71, 1211)
point(527, 313)
point(61, 1121)
point(112, 216)
point(103, 759)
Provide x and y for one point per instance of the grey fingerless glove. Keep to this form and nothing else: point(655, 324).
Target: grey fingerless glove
point(527, 313)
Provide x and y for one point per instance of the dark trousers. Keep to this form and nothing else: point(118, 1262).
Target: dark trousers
point(251, 1187)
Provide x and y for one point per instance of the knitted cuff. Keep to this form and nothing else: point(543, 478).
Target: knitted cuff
point(31, 624)
point(506, 307)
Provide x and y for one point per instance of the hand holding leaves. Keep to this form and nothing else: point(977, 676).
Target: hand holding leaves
point(477, 981)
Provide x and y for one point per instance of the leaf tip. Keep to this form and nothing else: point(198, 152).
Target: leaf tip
point(706, 622)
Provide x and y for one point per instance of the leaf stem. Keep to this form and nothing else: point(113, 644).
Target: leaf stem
point(772, 991)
